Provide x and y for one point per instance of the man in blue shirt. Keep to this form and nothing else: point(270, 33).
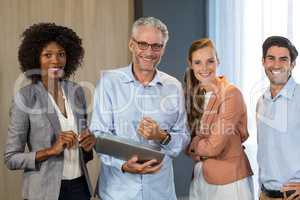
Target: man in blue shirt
point(141, 103)
point(278, 123)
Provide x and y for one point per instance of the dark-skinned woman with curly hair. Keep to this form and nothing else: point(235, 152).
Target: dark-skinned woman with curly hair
point(48, 137)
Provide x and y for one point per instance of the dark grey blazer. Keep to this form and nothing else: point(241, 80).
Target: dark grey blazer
point(34, 123)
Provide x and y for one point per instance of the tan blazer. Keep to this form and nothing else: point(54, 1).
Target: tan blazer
point(220, 137)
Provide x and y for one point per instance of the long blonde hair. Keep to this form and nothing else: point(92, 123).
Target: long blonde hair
point(193, 92)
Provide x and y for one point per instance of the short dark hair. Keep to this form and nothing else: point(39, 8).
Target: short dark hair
point(280, 42)
point(37, 37)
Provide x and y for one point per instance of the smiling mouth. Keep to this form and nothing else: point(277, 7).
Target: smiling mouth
point(204, 75)
point(276, 72)
point(147, 59)
point(55, 69)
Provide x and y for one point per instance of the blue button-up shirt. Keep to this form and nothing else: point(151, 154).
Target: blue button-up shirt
point(278, 136)
point(120, 102)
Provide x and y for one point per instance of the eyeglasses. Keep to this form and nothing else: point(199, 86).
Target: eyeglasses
point(144, 45)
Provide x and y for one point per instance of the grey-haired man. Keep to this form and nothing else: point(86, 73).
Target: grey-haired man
point(143, 104)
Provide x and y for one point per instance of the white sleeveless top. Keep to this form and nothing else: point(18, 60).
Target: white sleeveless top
point(71, 168)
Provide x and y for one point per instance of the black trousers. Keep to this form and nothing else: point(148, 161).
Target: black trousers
point(75, 189)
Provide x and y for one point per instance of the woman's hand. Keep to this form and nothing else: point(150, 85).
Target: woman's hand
point(87, 140)
point(66, 139)
point(192, 148)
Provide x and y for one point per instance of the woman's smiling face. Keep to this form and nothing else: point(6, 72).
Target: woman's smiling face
point(52, 60)
point(204, 64)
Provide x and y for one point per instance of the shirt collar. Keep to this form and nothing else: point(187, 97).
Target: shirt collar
point(128, 76)
point(287, 91)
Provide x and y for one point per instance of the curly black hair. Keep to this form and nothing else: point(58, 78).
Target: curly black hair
point(38, 36)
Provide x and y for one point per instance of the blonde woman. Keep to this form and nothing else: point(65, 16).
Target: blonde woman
point(217, 120)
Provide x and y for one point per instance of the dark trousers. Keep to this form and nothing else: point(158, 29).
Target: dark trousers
point(75, 189)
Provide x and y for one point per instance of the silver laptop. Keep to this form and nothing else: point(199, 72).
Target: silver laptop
point(124, 149)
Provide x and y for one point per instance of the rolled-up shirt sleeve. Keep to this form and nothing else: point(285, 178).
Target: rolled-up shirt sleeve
point(180, 136)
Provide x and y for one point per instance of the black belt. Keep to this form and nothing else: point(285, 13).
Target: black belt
point(276, 193)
